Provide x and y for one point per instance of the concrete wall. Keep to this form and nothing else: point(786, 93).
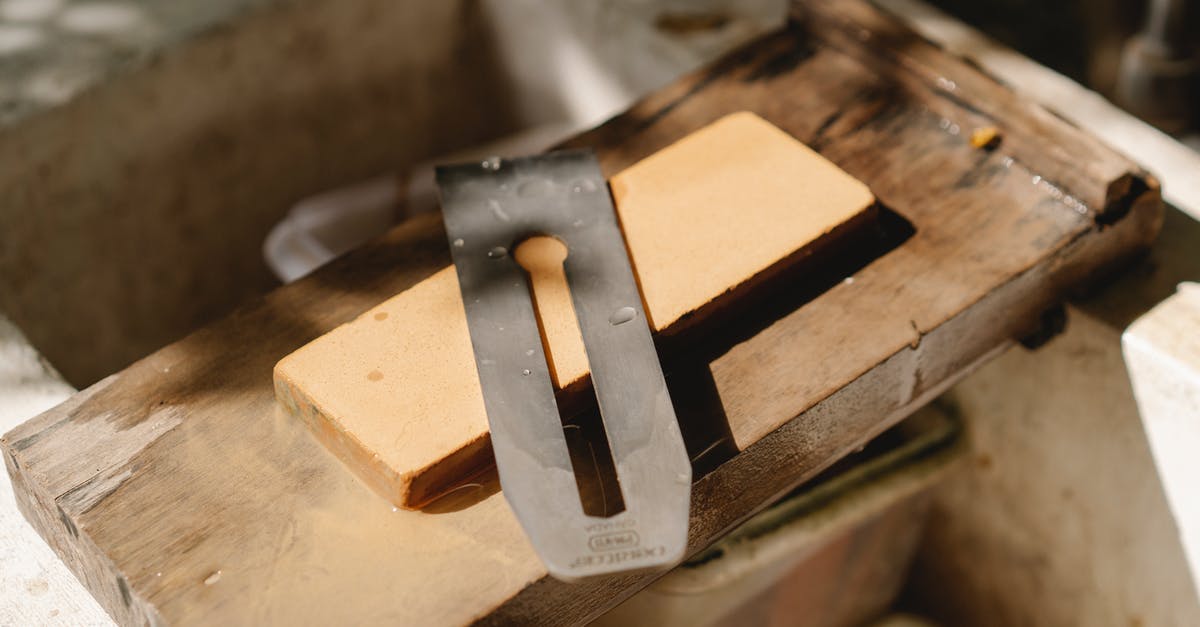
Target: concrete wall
point(134, 200)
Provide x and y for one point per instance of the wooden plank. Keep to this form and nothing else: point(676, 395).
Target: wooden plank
point(395, 393)
point(180, 465)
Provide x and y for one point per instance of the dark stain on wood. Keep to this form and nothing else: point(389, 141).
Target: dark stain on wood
point(666, 109)
point(33, 438)
point(984, 168)
point(691, 22)
point(67, 523)
point(1051, 324)
point(783, 61)
point(123, 587)
point(1118, 207)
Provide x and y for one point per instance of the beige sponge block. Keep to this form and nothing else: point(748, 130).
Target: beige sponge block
point(395, 393)
point(722, 205)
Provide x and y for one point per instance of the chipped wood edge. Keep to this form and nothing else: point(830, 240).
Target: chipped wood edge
point(99, 575)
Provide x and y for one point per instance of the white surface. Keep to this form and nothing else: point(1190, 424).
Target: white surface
point(35, 587)
point(1162, 354)
point(326, 225)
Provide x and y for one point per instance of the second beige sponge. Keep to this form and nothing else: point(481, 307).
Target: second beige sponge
point(395, 393)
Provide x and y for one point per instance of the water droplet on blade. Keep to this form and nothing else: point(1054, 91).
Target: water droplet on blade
point(497, 252)
point(526, 372)
point(497, 210)
point(459, 243)
point(622, 315)
point(583, 185)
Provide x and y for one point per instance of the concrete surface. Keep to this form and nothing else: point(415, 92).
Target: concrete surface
point(53, 50)
point(35, 586)
point(1060, 519)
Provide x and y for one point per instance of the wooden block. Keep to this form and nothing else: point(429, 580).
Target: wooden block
point(180, 493)
point(395, 393)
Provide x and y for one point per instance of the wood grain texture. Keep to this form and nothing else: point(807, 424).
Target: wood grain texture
point(37, 587)
point(180, 465)
point(395, 393)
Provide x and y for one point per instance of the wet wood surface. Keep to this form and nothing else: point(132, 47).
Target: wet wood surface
point(179, 493)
